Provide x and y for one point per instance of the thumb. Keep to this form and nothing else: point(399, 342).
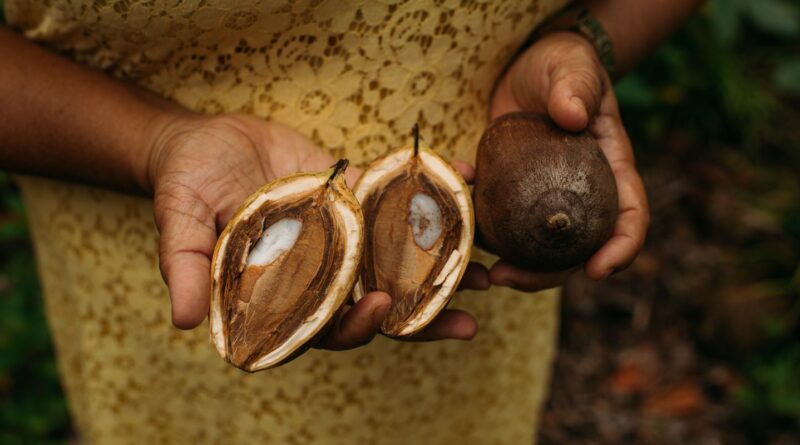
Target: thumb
point(576, 88)
point(188, 236)
point(359, 323)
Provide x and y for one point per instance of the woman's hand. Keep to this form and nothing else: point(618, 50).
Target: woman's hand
point(560, 75)
point(201, 169)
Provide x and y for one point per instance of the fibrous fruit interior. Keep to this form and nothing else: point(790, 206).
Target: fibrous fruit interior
point(281, 272)
point(416, 219)
point(268, 300)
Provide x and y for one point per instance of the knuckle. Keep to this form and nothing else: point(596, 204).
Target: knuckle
point(584, 50)
point(587, 80)
point(172, 209)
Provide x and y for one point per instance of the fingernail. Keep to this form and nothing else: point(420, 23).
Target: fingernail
point(610, 272)
point(577, 101)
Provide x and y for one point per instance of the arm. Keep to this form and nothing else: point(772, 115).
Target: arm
point(63, 120)
point(636, 27)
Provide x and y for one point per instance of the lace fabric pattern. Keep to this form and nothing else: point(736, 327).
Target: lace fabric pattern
point(354, 76)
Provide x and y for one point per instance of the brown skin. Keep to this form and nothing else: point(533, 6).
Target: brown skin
point(636, 27)
point(545, 199)
point(104, 132)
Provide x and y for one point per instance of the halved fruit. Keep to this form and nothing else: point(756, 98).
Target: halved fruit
point(419, 228)
point(283, 266)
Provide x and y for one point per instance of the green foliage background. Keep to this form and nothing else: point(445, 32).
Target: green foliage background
point(729, 81)
point(32, 405)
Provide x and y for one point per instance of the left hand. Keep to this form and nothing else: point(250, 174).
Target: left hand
point(561, 75)
point(202, 167)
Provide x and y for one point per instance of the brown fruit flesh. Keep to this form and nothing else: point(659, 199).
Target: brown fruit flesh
point(394, 262)
point(266, 304)
point(545, 199)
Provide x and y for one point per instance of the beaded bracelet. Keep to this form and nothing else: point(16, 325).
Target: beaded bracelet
point(589, 27)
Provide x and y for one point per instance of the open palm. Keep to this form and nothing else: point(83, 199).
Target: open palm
point(201, 170)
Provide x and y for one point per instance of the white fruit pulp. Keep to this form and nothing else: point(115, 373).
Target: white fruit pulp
point(425, 218)
point(276, 239)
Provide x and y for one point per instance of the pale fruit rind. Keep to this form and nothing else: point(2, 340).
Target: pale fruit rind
point(456, 264)
point(347, 208)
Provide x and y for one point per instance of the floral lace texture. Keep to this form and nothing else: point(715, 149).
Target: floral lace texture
point(354, 76)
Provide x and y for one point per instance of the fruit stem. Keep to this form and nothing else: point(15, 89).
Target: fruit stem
point(558, 222)
point(339, 168)
point(416, 139)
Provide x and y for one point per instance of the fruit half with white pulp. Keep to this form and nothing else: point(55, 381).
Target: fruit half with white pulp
point(419, 229)
point(283, 266)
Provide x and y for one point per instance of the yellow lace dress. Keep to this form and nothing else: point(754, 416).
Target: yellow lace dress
point(353, 76)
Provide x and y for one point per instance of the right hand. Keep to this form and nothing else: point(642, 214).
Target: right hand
point(200, 169)
point(561, 75)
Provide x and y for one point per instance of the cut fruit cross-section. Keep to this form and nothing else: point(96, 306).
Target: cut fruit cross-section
point(419, 229)
point(283, 266)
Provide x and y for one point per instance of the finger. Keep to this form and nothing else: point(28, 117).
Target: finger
point(359, 324)
point(630, 228)
point(504, 274)
point(449, 324)
point(467, 170)
point(576, 88)
point(634, 216)
point(618, 252)
point(476, 277)
point(351, 175)
point(187, 239)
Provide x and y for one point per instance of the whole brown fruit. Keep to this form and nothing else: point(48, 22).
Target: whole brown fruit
point(545, 199)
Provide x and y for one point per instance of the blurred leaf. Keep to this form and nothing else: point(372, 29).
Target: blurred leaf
point(726, 17)
point(633, 91)
point(678, 65)
point(774, 388)
point(787, 75)
point(13, 202)
point(32, 405)
point(774, 328)
point(775, 17)
point(796, 279)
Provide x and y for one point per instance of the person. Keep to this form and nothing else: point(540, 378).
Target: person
point(194, 105)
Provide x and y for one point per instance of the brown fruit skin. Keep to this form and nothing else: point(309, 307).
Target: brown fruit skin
point(545, 199)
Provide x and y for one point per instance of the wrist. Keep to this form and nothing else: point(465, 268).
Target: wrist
point(162, 126)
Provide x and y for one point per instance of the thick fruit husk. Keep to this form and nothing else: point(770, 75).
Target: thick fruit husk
point(283, 266)
point(419, 230)
point(545, 199)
